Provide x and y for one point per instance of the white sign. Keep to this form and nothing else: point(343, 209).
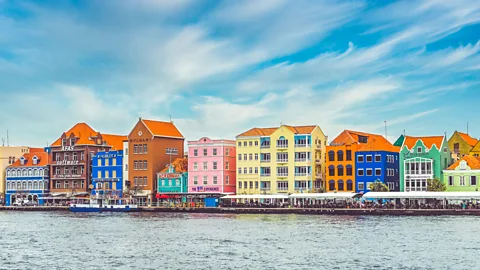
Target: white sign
point(67, 162)
point(68, 148)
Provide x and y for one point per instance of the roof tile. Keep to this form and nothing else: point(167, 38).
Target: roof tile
point(268, 131)
point(116, 141)
point(42, 156)
point(162, 129)
point(471, 141)
point(428, 141)
point(472, 162)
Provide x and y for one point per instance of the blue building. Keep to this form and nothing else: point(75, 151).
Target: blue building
point(380, 163)
point(107, 173)
point(28, 179)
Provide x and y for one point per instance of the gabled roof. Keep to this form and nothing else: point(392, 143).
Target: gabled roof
point(82, 131)
point(116, 141)
point(180, 165)
point(42, 156)
point(162, 129)
point(352, 137)
point(254, 132)
point(378, 143)
point(472, 162)
point(428, 141)
point(471, 141)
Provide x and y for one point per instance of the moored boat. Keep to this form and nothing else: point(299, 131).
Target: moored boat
point(97, 208)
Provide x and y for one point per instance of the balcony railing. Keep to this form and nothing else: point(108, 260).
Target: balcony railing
point(265, 188)
point(282, 174)
point(68, 176)
point(302, 145)
point(318, 175)
point(301, 188)
point(282, 145)
point(282, 160)
point(318, 146)
point(265, 160)
point(303, 174)
point(265, 174)
point(282, 188)
point(302, 160)
point(265, 146)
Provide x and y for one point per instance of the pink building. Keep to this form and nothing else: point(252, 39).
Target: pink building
point(211, 166)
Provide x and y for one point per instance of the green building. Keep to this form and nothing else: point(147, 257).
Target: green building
point(463, 175)
point(173, 179)
point(422, 158)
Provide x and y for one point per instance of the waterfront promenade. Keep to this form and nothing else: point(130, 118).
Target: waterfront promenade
point(299, 211)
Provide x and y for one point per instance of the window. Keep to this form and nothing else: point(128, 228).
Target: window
point(239, 183)
point(265, 171)
point(65, 184)
point(256, 143)
point(214, 151)
point(244, 143)
point(282, 157)
point(378, 158)
point(114, 162)
point(450, 180)
point(106, 162)
point(266, 157)
point(239, 156)
point(282, 185)
point(57, 184)
point(239, 170)
point(473, 180)
point(340, 170)
point(419, 149)
point(195, 152)
point(462, 180)
point(378, 172)
point(369, 172)
point(145, 181)
point(361, 186)
point(64, 143)
point(245, 184)
point(369, 158)
point(349, 170)
point(331, 185)
point(107, 174)
point(57, 157)
point(340, 155)
point(66, 170)
point(256, 156)
point(256, 170)
point(359, 158)
point(82, 156)
point(74, 156)
point(250, 170)
point(195, 166)
point(256, 185)
point(195, 180)
point(227, 180)
point(144, 148)
point(135, 165)
point(66, 156)
point(215, 180)
point(245, 170)
point(227, 151)
point(331, 156)
point(144, 164)
point(205, 152)
point(251, 184)
point(126, 167)
point(282, 171)
point(82, 170)
point(360, 172)
point(75, 170)
point(282, 142)
point(244, 156)
point(331, 170)
point(227, 165)
point(250, 143)
point(205, 166)
point(214, 165)
point(240, 144)
point(349, 155)
point(135, 149)
point(349, 185)
point(340, 185)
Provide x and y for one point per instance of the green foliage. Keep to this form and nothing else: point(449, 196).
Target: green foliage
point(435, 185)
point(378, 186)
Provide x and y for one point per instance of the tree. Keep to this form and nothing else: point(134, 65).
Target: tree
point(435, 185)
point(378, 186)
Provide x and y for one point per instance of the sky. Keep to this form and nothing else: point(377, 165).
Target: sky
point(219, 68)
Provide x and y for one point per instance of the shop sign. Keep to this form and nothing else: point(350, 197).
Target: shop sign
point(168, 175)
point(140, 140)
point(206, 189)
point(67, 176)
point(107, 156)
point(68, 148)
point(67, 162)
point(107, 180)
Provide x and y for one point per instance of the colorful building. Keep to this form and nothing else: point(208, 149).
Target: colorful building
point(475, 150)
point(377, 160)
point(126, 181)
point(422, 158)
point(107, 173)
point(173, 178)
point(71, 160)
point(211, 166)
point(152, 146)
point(463, 175)
point(28, 178)
point(461, 144)
point(285, 159)
point(341, 159)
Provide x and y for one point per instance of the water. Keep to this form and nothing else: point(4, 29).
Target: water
point(63, 240)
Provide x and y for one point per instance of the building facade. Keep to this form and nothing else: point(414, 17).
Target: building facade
point(173, 178)
point(377, 165)
point(126, 181)
point(285, 159)
point(463, 175)
point(107, 173)
point(341, 159)
point(211, 166)
point(28, 179)
point(422, 158)
point(475, 150)
point(71, 159)
point(152, 145)
point(461, 144)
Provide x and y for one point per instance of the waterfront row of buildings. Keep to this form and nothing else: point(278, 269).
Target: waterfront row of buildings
point(150, 164)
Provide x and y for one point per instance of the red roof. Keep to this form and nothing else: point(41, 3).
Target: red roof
point(472, 162)
point(471, 141)
point(82, 131)
point(269, 131)
point(162, 129)
point(116, 141)
point(180, 165)
point(428, 141)
point(43, 159)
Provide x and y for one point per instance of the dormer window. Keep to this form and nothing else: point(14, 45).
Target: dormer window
point(362, 139)
point(419, 149)
point(463, 165)
point(35, 160)
point(72, 141)
point(22, 161)
point(64, 142)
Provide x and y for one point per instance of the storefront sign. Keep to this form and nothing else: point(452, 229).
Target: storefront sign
point(67, 176)
point(140, 140)
point(108, 156)
point(107, 180)
point(206, 189)
point(67, 162)
point(68, 148)
point(168, 175)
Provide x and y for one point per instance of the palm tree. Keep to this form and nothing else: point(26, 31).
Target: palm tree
point(378, 186)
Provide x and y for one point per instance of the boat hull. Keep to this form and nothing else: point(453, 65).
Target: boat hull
point(104, 208)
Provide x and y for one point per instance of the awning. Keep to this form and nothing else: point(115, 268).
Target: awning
point(423, 195)
point(319, 196)
point(256, 196)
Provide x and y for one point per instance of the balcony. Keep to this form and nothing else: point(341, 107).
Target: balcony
point(282, 174)
point(265, 146)
point(303, 145)
point(282, 144)
point(303, 160)
point(318, 146)
point(265, 175)
point(282, 160)
point(318, 176)
point(265, 188)
point(303, 174)
point(68, 176)
point(265, 161)
point(318, 161)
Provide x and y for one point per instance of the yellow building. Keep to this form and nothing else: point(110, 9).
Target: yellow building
point(8, 155)
point(475, 150)
point(285, 159)
point(461, 144)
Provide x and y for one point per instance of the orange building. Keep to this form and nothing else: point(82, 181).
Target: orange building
point(341, 159)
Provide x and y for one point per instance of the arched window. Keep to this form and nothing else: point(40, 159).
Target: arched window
point(14, 172)
point(331, 185)
point(8, 172)
point(340, 155)
point(340, 185)
point(349, 185)
point(30, 172)
point(331, 170)
point(30, 185)
point(35, 172)
point(18, 185)
point(340, 170)
point(24, 185)
point(99, 185)
point(349, 170)
point(35, 184)
point(8, 186)
point(45, 185)
point(331, 156)
point(24, 172)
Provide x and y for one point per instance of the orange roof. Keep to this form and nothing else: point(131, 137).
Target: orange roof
point(471, 141)
point(82, 131)
point(116, 141)
point(428, 141)
point(42, 156)
point(472, 162)
point(162, 129)
point(378, 143)
point(180, 165)
point(351, 137)
point(269, 131)
point(36, 150)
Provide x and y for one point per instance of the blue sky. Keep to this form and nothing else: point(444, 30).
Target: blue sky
point(222, 67)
